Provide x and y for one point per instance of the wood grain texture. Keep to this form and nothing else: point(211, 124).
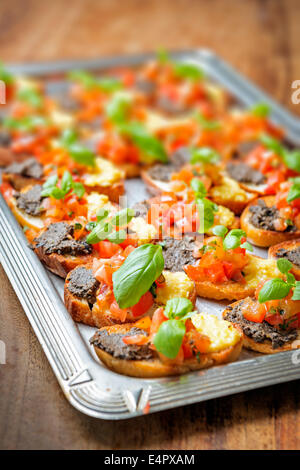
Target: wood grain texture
point(261, 39)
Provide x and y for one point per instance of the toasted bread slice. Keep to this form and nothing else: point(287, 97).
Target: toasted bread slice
point(59, 251)
point(153, 366)
point(263, 346)
point(262, 237)
point(257, 270)
point(283, 250)
point(92, 314)
point(113, 191)
point(230, 194)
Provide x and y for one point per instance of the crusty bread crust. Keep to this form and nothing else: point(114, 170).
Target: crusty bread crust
point(61, 265)
point(155, 187)
point(132, 170)
point(227, 291)
point(287, 245)
point(114, 191)
point(81, 312)
point(266, 346)
point(156, 368)
point(235, 206)
point(260, 237)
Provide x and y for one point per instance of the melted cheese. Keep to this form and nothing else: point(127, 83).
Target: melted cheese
point(221, 332)
point(176, 285)
point(145, 232)
point(61, 119)
point(156, 123)
point(104, 174)
point(223, 216)
point(96, 201)
point(229, 189)
point(258, 269)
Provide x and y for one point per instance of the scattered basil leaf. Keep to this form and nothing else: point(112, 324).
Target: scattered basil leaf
point(188, 71)
point(220, 231)
point(137, 274)
point(6, 76)
point(81, 154)
point(30, 96)
point(178, 307)
point(273, 289)
point(77, 226)
point(117, 236)
point(25, 124)
point(294, 192)
point(78, 189)
point(102, 214)
point(207, 124)
point(150, 147)
point(247, 246)
point(99, 233)
point(260, 110)
point(89, 81)
point(123, 217)
point(118, 107)
point(292, 160)
point(290, 279)
point(296, 294)
point(233, 239)
point(204, 155)
point(206, 209)
point(198, 186)
point(272, 144)
point(169, 338)
point(284, 265)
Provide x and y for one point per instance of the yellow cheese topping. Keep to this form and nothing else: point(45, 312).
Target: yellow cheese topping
point(96, 201)
point(229, 190)
point(156, 123)
point(176, 285)
point(221, 332)
point(61, 119)
point(258, 269)
point(223, 216)
point(145, 232)
point(104, 174)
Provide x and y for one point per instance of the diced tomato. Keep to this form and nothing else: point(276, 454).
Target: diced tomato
point(104, 274)
point(107, 249)
point(116, 311)
point(274, 319)
point(274, 179)
point(136, 339)
point(143, 305)
point(143, 323)
point(157, 319)
point(255, 313)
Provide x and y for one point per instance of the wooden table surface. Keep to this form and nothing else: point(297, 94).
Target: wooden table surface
point(261, 39)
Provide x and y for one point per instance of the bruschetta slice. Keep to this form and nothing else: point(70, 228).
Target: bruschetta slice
point(264, 329)
point(228, 273)
point(289, 250)
point(22, 174)
point(250, 179)
point(145, 349)
point(266, 225)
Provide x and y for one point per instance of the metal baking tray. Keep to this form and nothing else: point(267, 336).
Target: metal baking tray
point(88, 385)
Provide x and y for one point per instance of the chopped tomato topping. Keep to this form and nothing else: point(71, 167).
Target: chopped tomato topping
point(136, 339)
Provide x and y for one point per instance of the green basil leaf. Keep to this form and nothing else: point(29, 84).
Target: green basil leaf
point(284, 265)
point(123, 217)
point(231, 242)
point(188, 71)
point(102, 214)
point(66, 182)
point(178, 307)
point(260, 110)
point(81, 154)
point(272, 144)
point(204, 155)
point(137, 274)
point(90, 226)
point(163, 56)
point(78, 189)
point(150, 147)
point(84, 78)
point(99, 233)
point(6, 76)
point(296, 294)
point(50, 182)
point(30, 96)
point(292, 160)
point(118, 107)
point(206, 209)
point(25, 124)
point(117, 236)
point(68, 137)
point(77, 226)
point(168, 339)
point(273, 290)
point(247, 246)
point(198, 186)
point(220, 231)
point(294, 192)
point(290, 279)
point(89, 81)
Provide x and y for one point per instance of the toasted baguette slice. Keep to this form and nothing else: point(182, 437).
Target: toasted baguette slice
point(265, 346)
point(276, 251)
point(91, 314)
point(229, 193)
point(58, 263)
point(257, 270)
point(262, 237)
point(155, 187)
point(154, 367)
